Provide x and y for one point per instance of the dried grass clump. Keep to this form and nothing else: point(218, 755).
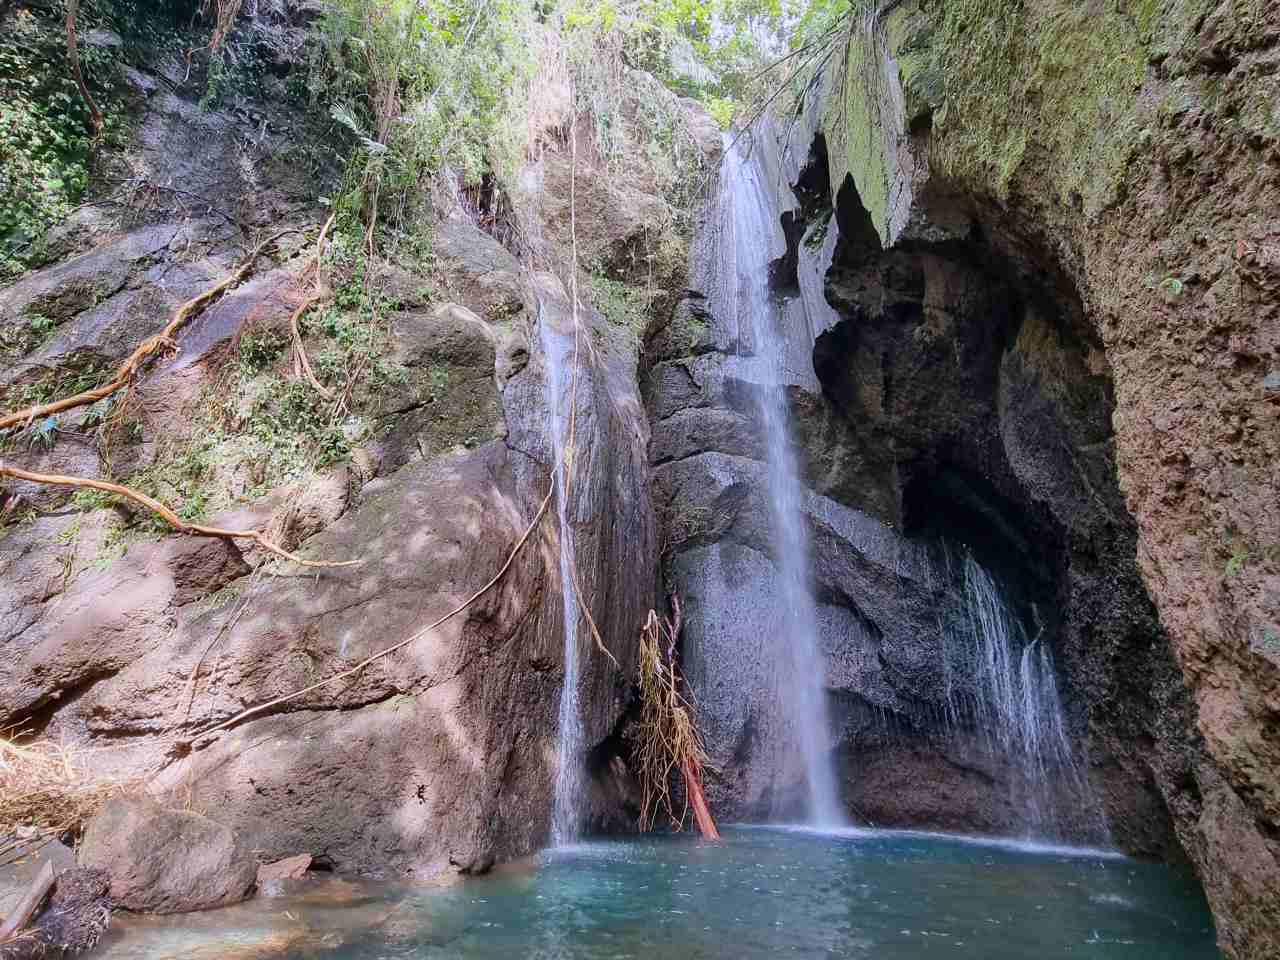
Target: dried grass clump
point(49, 784)
point(668, 737)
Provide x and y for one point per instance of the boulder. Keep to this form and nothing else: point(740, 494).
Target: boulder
point(274, 877)
point(166, 861)
point(482, 274)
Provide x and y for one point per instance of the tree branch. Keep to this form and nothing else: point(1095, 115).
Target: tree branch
point(167, 514)
point(152, 345)
point(73, 57)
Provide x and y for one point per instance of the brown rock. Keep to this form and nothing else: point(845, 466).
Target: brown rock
point(166, 861)
point(290, 868)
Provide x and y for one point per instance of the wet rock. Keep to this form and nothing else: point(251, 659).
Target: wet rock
point(273, 878)
point(438, 757)
point(78, 912)
point(1183, 705)
point(483, 274)
point(166, 861)
point(62, 291)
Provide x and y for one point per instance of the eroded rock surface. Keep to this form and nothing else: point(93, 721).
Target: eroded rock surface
point(437, 757)
point(167, 861)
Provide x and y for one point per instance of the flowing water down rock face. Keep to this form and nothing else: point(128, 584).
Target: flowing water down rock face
point(1013, 702)
point(743, 299)
point(946, 609)
point(566, 816)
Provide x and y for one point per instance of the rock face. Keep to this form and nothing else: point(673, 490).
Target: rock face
point(167, 861)
point(1160, 240)
point(962, 418)
point(1054, 342)
point(439, 756)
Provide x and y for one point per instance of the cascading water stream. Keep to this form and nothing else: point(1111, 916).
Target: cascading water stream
point(566, 820)
point(1013, 699)
point(743, 294)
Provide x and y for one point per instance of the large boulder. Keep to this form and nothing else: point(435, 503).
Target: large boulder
point(167, 861)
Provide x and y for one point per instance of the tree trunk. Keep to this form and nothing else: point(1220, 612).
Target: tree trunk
point(73, 56)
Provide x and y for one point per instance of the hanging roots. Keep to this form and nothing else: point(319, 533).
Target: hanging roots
point(668, 737)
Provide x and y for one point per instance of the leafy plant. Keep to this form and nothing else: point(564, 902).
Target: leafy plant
point(1239, 557)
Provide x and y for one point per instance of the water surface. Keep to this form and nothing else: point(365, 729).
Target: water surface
point(765, 892)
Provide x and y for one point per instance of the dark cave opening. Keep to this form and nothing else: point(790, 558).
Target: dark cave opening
point(945, 503)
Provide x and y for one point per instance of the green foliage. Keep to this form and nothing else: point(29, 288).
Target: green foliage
point(44, 135)
point(259, 348)
point(1171, 288)
point(70, 379)
point(1068, 79)
point(722, 110)
point(182, 478)
point(418, 86)
point(1239, 557)
point(620, 303)
point(46, 151)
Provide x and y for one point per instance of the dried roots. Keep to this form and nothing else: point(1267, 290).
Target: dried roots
point(668, 738)
point(50, 785)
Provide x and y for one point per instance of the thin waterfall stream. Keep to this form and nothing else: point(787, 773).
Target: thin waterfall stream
point(1014, 702)
point(744, 295)
point(566, 819)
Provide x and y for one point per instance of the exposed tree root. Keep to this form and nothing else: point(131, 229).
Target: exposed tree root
point(301, 364)
point(73, 57)
point(166, 514)
point(669, 739)
point(149, 347)
point(185, 746)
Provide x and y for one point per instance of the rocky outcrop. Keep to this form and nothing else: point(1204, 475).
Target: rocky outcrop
point(166, 861)
point(1055, 341)
point(437, 757)
point(901, 429)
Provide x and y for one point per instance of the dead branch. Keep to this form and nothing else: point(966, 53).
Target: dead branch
point(353, 671)
point(73, 57)
point(27, 905)
point(668, 738)
point(166, 514)
point(149, 347)
point(301, 364)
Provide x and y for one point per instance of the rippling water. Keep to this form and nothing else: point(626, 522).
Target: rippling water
point(764, 893)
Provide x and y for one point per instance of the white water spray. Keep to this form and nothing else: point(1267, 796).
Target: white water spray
point(1014, 700)
point(743, 297)
point(566, 819)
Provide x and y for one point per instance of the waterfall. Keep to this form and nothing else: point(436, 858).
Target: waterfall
point(566, 820)
point(743, 297)
point(1012, 698)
